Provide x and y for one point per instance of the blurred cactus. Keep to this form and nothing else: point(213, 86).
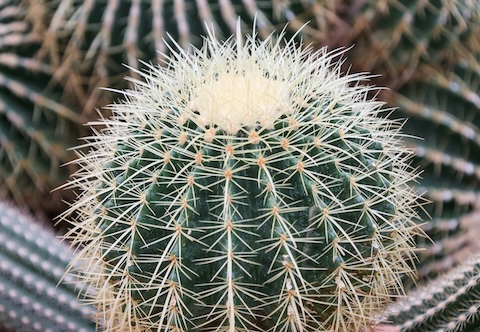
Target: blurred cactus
point(32, 264)
point(451, 240)
point(393, 37)
point(443, 107)
point(36, 128)
point(450, 303)
point(92, 41)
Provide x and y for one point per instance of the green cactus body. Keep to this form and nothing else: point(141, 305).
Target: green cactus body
point(246, 187)
point(32, 264)
point(450, 303)
point(447, 103)
point(36, 129)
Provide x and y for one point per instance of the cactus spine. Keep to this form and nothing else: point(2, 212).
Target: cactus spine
point(32, 262)
point(447, 102)
point(450, 303)
point(248, 186)
point(36, 129)
point(92, 39)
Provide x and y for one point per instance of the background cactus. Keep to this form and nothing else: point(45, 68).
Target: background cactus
point(91, 41)
point(32, 263)
point(247, 187)
point(450, 303)
point(393, 37)
point(447, 102)
point(36, 128)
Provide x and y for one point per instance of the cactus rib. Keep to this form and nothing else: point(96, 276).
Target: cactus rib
point(32, 264)
point(448, 304)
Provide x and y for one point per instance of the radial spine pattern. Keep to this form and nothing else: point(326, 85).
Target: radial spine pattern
point(247, 186)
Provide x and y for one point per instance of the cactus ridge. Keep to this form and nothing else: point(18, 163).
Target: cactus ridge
point(88, 41)
point(32, 264)
point(36, 128)
point(449, 303)
point(248, 186)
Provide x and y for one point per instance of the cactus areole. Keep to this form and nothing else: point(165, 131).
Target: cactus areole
point(247, 186)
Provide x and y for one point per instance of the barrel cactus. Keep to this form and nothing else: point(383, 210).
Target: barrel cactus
point(450, 303)
point(90, 40)
point(246, 186)
point(33, 295)
point(36, 127)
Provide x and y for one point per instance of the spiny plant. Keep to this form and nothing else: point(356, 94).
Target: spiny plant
point(392, 37)
point(32, 264)
point(90, 41)
point(452, 237)
point(427, 52)
point(450, 303)
point(440, 94)
point(447, 102)
point(36, 129)
point(245, 187)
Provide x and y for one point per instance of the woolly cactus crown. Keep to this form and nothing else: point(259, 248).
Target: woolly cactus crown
point(246, 186)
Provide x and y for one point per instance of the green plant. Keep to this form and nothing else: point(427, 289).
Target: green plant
point(450, 303)
point(246, 186)
point(36, 128)
point(393, 37)
point(32, 264)
point(427, 53)
point(446, 101)
point(90, 41)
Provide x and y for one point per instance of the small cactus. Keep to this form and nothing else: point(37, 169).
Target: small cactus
point(32, 264)
point(450, 303)
point(245, 187)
